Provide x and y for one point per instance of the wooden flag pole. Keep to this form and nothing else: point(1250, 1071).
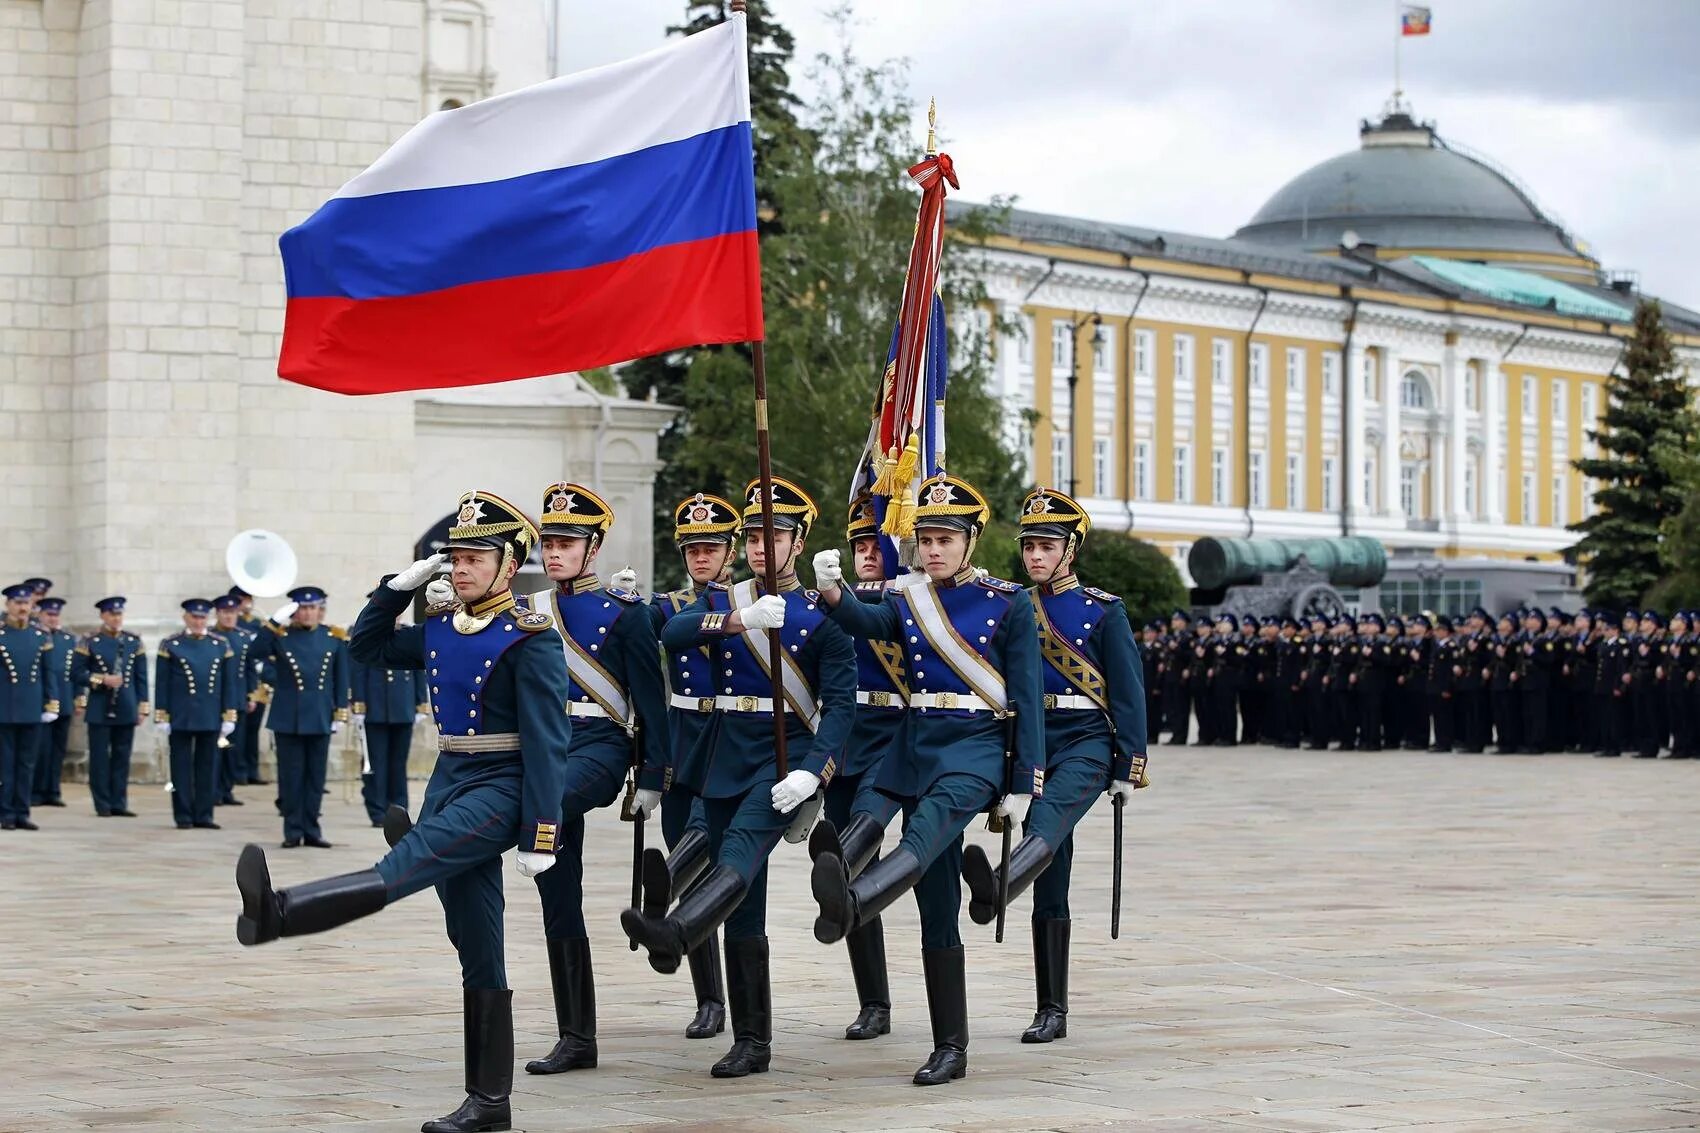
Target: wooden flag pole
point(770, 573)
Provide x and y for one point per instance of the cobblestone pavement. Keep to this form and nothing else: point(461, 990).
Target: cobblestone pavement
point(1310, 942)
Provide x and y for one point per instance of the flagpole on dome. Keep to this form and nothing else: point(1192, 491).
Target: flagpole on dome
point(770, 571)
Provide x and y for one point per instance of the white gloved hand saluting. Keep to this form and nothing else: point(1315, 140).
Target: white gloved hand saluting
point(766, 612)
point(225, 727)
point(1123, 789)
point(793, 790)
point(410, 579)
point(530, 865)
point(829, 570)
point(645, 802)
point(438, 591)
point(283, 613)
point(624, 579)
point(1014, 808)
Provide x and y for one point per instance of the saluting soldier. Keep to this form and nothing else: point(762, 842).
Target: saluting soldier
point(55, 737)
point(30, 696)
point(972, 652)
point(111, 669)
point(498, 684)
point(233, 759)
point(308, 669)
point(731, 768)
point(1094, 703)
point(195, 698)
point(385, 705)
point(619, 708)
point(704, 527)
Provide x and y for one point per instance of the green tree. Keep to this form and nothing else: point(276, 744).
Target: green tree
point(1137, 572)
point(839, 218)
point(1649, 431)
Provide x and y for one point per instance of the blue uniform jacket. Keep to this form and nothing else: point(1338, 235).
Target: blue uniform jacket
point(507, 678)
point(881, 701)
point(107, 653)
point(196, 686)
point(387, 696)
point(308, 672)
point(734, 753)
point(612, 626)
point(994, 618)
point(1094, 625)
point(63, 662)
point(688, 677)
point(29, 680)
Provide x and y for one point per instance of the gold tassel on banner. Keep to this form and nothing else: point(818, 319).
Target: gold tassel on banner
point(884, 467)
point(900, 517)
point(907, 465)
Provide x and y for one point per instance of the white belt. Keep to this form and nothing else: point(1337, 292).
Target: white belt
point(692, 703)
point(1083, 703)
point(744, 703)
point(880, 699)
point(957, 701)
point(591, 709)
point(490, 741)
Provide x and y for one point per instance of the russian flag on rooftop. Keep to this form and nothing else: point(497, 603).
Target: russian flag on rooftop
point(584, 221)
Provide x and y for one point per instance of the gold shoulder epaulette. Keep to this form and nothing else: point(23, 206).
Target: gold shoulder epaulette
point(339, 633)
point(447, 607)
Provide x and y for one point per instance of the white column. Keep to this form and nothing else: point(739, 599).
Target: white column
point(1008, 371)
point(1356, 441)
point(1391, 374)
point(1492, 415)
point(1452, 380)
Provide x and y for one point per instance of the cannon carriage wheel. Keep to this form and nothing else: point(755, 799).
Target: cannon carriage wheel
point(1318, 600)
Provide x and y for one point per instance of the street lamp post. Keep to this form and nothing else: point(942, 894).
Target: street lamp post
point(1073, 384)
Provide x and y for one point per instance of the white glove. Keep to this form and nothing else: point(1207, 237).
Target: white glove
point(359, 719)
point(411, 578)
point(766, 612)
point(530, 865)
point(624, 579)
point(336, 726)
point(283, 613)
point(49, 717)
point(790, 792)
point(163, 728)
point(439, 590)
point(908, 579)
point(1122, 789)
point(829, 572)
point(981, 572)
point(420, 717)
point(1014, 808)
point(645, 802)
point(225, 727)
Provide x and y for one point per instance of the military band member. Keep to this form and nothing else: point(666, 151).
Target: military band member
point(498, 683)
point(55, 737)
point(704, 531)
point(233, 759)
point(619, 708)
point(385, 706)
point(972, 659)
point(1094, 724)
point(30, 695)
point(39, 588)
point(307, 667)
point(111, 676)
point(731, 768)
point(195, 698)
point(254, 713)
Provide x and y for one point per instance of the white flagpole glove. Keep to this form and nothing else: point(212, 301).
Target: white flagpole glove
point(645, 802)
point(163, 728)
point(49, 717)
point(283, 613)
point(530, 865)
point(790, 792)
point(766, 612)
point(411, 578)
point(829, 572)
point(624, 579)
point(439, 590)
point(1123, 789)
point(225, 727)
point(336, 726)
point(1014, 807)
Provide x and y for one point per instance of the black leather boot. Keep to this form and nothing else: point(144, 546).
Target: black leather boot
point(867, 965)
point(846, 905)
point(487, 1018)
point(947, 1004)
point(709, 902)
point(686, 862)
point(855, 847)
point(750, 995)
point(704, 961)
point(575, 1009)
point(1050, 975)
point(396, 825)
point(1026, 862)
point(314, 906)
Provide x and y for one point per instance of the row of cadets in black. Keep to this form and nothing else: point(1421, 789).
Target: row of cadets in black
point(617, 700)
point(731, 766)
point(498, 682)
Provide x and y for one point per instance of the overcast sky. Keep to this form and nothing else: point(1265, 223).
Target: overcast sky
point(1187, 114)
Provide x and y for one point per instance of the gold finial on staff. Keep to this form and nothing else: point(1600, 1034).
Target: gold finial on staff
point(932, 127)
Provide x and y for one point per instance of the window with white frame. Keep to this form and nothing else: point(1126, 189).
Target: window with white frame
point(1101, 467)
point(1472, 491)
point(1218, 475)
point(1259, 366)
point(1528, 501)
point(1295, 370)
point(1059, 461)
point(1408, 487)
point(1470, 388)
point(1558, 497)
point(1061, 346)
point(1330, 485)
point(1295, 482)
point(1183, 359)
point(1142, 470)
point(1413, 392)
point(1183, 474)
point(1024, 352)
point(1370, 481)
point(1259, 493)
point(1219, 365)
point(1331, 374)
point(1560, 401)
point(1144, 343)
point(1590, 405)
point(1528, 398)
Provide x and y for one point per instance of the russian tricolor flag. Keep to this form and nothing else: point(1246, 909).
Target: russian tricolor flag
point(585, 221)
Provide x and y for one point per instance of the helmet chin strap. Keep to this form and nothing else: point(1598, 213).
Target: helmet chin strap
point(501, 572)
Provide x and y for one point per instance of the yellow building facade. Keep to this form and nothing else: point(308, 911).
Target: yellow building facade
point(1401, 344)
